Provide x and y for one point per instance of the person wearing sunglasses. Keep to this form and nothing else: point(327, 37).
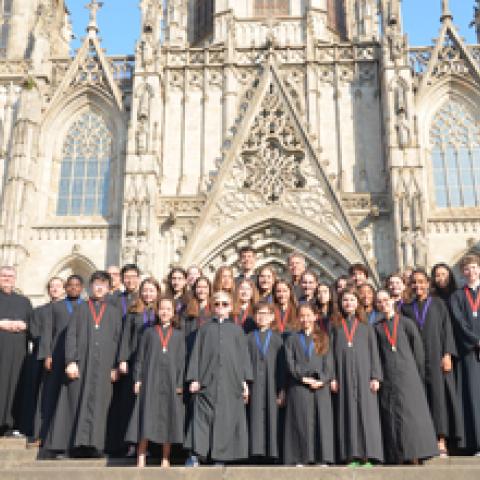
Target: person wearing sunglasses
point(217, 375)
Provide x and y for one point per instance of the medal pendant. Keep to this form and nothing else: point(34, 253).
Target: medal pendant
point(394, 348)
point(475, 314)
point(164, 350)
point(97, 327)
point(350, 345)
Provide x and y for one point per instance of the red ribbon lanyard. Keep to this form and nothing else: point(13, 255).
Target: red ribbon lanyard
point(351, 334)
point(164, 340)
point(474, 305)
point(392, 339)
point(244, 317)
point(278, 314)
point(96, 319)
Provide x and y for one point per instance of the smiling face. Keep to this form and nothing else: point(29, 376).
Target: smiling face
point(7, 279)
point(166, 311)
point(349, 303)
point(323, 294)
point(149, 293)
point(222, 305)
point(178, 282)
point(202, 290)
point(227, 279)
point(282, 293)
point(307, 318)
point(308, 282)
point(245, 292)
point(131, 280)
point(56, 289)
point(266, 280)
point(420, 285)
point(100, 288)
point(264, 317)
point(74, 287)
point(192, 274)
point(396, 287)
point(366, 295)
point(114, 272)
point(471, 272)
point(247, 260)
point(296, 265)
point(441, 277)
point(385, 303)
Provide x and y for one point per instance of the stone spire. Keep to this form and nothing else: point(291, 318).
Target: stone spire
point(446, 13)
point(93, 7)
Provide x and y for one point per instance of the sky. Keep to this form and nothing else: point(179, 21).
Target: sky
point(119, 22)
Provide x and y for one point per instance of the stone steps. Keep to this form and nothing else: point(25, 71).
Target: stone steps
point(243, 473)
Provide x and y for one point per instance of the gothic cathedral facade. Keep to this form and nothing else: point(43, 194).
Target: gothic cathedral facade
point(306, 125)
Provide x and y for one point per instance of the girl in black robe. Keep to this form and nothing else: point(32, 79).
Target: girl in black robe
point(309, 284)
point(177, 288)
point(267, 392)
point(286, 308)
point(443, 283)
point(309, 429)
point(246, 297)
point(141, 315)
point(358, 376)
point(324, 305)
point(433, 321)
point(465, 304)
point(158, 377)
point(407, 426)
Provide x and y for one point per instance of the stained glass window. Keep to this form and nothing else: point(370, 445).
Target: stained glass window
point(455, 142)
point(85, 169)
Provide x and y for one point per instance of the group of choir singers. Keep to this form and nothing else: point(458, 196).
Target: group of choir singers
point(254, 369)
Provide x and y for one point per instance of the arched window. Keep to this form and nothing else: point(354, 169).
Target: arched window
point(455, 142)
point(85, 170)
point(265, 8)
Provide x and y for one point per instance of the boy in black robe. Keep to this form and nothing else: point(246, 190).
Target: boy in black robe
point(59, 395)
point(15, 317)
point(267, 393)
point(91, 350)
point(218, 372)
point(465, 304)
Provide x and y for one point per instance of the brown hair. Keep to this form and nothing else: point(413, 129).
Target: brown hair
point(292, 304)
point(175, 320)
point(320, 337)
point(468, 259)
point(193, 305)
point(274, 275)
point(340, 313)
point(217, 281)
point(269, 306)
point(236, 299)
point(138, 306)
point(358, 267)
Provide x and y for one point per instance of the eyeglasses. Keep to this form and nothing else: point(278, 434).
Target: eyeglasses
point(222, 304)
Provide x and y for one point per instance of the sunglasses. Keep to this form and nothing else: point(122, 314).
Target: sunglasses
point(222, 304)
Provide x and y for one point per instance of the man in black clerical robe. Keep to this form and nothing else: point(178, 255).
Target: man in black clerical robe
point(15, 316)
point(91, 350)
point(218, 372)
point(59, 394)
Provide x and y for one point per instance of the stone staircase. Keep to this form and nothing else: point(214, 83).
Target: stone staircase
point(19, 463)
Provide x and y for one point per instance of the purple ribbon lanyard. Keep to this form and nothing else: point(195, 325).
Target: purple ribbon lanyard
point(124, 305)
point(421, 318)
point(148, 319)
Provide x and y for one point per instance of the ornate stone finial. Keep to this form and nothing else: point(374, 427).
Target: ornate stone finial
point(446, 13)
point(93, 6)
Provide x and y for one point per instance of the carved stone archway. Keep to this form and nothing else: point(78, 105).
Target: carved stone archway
point(274, 240)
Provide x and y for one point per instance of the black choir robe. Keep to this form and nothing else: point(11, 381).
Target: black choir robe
point(438, 340)
point(220, 363)
point(123, 397)
point(59, 394)
point(268, 381)
point(13, 350)
point(359, 433)
point(34, 377)
point(95, 350)
point(467, 330)
point(159, 415)
point(245, 320)
point(309, 429)
point(134, 326)
point(407, 426)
